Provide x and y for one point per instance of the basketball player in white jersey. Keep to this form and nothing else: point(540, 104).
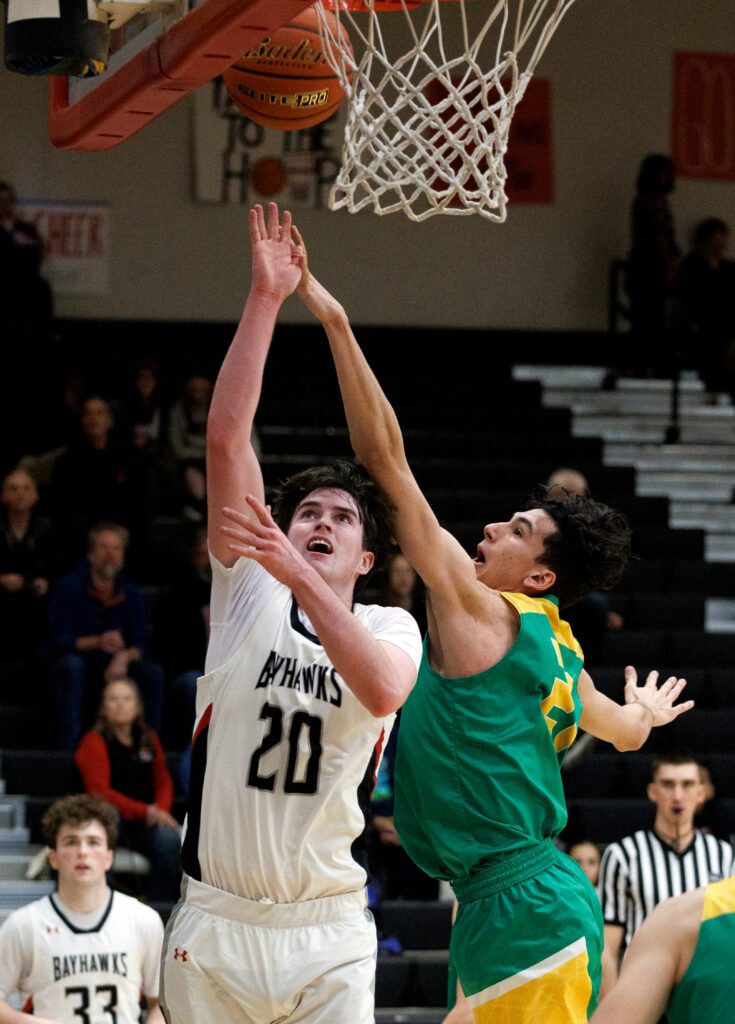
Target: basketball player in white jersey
point(299, 694)
point(85, 954)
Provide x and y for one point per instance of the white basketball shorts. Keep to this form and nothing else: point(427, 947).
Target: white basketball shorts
point(235, 961)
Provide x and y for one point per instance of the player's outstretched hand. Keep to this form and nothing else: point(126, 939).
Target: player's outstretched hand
point(259, 537)
point(314, 295)
point(660, 700)
point(275, 260)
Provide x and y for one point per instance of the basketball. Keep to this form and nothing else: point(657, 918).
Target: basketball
point(286, 81)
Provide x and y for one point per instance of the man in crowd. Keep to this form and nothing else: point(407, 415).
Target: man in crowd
point(97, 632)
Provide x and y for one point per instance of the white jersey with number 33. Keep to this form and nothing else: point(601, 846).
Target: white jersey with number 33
point(82, 976)
point(284, 755)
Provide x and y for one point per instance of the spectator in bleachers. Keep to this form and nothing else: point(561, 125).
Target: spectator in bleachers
point(142, 411)
point(26, 320)
point(187, 435)
point(188, 422)
point(706, 288)
point(652, 262)
point(91, 480)
point(98, 632)
point(121, 760)
point(587, 855)
point(595, 614)
point(193, 492)
point(182, 634)
point(28, 553)
point(654, 864)
point(26, 306)
point(402, 588)
point(143, 428)
point(83, 953)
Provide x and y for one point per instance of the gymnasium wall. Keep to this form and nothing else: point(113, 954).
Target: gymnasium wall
point(610, 66)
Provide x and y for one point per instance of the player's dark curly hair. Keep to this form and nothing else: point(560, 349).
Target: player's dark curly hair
point(79, 810)
point(590, 548)
point(375, 512)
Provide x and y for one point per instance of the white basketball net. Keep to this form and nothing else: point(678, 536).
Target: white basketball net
point(427, 129)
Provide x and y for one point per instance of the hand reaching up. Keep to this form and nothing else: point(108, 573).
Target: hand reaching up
point(315, 296)
point(275, 259)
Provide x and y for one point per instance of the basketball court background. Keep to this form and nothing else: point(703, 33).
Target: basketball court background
point(611, 73)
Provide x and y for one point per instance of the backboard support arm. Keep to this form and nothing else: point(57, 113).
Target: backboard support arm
point(193, 52)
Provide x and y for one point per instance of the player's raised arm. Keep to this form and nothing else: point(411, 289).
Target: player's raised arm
point(376, 439)
point(627, 726)
point(232, 466)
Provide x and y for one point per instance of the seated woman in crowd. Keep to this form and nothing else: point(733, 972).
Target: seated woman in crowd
point(28, 558)
point(122, 761)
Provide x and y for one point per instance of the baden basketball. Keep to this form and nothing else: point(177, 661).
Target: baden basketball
point(286, 81)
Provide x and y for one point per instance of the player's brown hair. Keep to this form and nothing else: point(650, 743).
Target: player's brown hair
point(375, 512)
point(78, 810)
point(589, 549)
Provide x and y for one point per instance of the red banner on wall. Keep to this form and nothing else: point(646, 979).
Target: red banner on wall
point(703, 126)
point(529, 158)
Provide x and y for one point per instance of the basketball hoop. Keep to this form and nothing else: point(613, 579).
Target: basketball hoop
point(427, 127)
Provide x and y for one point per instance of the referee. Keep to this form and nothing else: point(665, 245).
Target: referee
point(655, 864)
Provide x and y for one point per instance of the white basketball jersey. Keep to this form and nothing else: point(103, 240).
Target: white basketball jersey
point(96, 975)
point(284, 755)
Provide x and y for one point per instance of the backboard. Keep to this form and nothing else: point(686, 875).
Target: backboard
point(157, 67)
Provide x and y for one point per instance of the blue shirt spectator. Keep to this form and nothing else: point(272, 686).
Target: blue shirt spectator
point(98, 632)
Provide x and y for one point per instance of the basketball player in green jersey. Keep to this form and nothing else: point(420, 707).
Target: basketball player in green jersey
point(497, 703)
point(680, 963)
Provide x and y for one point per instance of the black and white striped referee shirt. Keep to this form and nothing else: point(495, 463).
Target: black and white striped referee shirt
point(641, 870)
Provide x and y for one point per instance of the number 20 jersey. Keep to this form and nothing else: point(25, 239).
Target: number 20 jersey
point(284, 755)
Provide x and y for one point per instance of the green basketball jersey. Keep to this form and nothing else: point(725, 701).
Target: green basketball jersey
point(703, 994)
point(479, 758)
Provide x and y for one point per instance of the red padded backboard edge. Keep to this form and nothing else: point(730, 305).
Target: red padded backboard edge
point(194, 51)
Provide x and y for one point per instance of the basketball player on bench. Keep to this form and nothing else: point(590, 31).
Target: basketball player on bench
point(679, 963)
point(497, 703)
point(299, 694)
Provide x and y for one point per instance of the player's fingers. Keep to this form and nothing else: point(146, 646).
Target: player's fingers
point(298, 238)
point(260, 220)
point(286, 226)
point(675, 689)
point(253, 225)
point(246, 551)
point(261, 511)
point(672, 683)
point(681, 708)
point(652, 679)
point(236, 516)
point(274, 230)
point(631, 676)
point(244, 534)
